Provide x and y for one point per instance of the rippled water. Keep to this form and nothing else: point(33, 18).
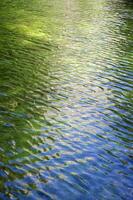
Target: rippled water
point(66, 99)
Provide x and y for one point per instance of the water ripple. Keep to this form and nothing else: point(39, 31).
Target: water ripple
point(66, 100)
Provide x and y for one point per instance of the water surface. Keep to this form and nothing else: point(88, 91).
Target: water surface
point(66, 99)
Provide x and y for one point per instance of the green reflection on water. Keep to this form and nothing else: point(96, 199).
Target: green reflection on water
point(27, 46)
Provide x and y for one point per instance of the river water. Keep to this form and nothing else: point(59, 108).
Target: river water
point(66, 99)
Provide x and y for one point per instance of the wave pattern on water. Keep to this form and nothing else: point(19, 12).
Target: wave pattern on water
point(66, 99)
